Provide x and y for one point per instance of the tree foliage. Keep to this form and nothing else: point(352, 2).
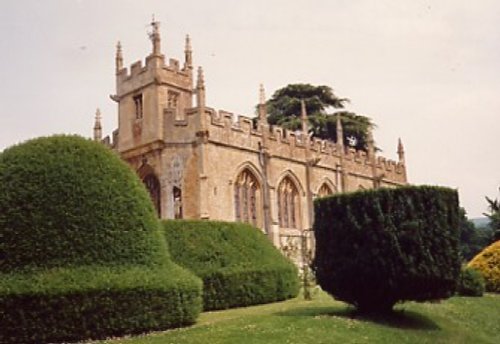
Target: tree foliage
point(378, 247)
point(472, 239)
point(470, 282)
point(284, 109)
point(494, 216)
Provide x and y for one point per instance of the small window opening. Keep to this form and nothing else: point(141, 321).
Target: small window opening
point(138, 106)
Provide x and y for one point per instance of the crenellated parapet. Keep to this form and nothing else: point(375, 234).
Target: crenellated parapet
point(161, 109)
point(138, 68)
point(243, 132)
point(139, 76)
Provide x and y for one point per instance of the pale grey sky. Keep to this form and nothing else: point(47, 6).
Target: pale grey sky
point(426, 71)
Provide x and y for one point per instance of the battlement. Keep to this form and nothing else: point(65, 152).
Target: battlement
point(156, 99)
point(205, 160)
point(137, 68)
point(155, 69)
point(388, 165)
point(240, 130)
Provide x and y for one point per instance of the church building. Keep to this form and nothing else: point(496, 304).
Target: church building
point(200, 163)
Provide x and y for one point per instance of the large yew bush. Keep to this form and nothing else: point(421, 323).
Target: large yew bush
point(82, 255)
point(379, 247)
point(237, 262)
point(487, 262)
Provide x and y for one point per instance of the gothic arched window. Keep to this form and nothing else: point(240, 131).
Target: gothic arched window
point(325, 190)
point(247, 198)
point(288, 204)
point(153, 186)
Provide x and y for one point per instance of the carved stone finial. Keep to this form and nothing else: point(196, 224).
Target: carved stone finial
point(303, 117)
point(119, 57)
point(262, 95)
point(97, 126)
point(303, 111)
point(340, 134)
point(262, 105)
point(188, 54)
point(200, 83)
point(401, 151)
point(200, 88)
point(155, 36)
point(370, 143)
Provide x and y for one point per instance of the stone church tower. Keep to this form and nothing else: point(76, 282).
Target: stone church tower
point(199, 163)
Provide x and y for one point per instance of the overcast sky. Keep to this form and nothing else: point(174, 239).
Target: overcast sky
point(426, 71)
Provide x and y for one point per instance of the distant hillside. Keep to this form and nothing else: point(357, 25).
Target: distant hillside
point(480, 222)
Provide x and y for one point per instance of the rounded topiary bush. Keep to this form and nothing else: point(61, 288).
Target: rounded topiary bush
point(378, 247)
point(237, 262)
point(487, 262)
point(82, 254)
point(470, 283)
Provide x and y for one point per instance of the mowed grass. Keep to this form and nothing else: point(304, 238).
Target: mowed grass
point(324, 320)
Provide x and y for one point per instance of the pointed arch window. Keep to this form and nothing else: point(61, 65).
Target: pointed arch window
point(247, 197)
point(325, 190)
point(288, 204)
point(153, 186)
point(139, 111)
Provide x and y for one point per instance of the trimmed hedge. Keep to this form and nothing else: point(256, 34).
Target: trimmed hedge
point(81, 193)
point(470, 283)
point(82, 254)
point(487, 262)
point(60, 305)
point(378, 247)
point(237, 262)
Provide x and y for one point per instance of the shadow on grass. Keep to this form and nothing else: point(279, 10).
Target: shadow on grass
point(397, 319)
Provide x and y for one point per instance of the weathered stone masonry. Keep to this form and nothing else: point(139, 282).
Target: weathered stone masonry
point(200, 163)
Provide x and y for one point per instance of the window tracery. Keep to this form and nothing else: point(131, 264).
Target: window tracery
point(246, 198)
point(288, 204)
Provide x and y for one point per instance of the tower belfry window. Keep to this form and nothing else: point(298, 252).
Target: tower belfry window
point(172, 100)
point(138, 106)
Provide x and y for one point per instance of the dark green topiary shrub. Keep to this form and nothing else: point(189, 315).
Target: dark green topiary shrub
point(375, 248)
point(82, 254)
point(470, 283)
point(237, 262)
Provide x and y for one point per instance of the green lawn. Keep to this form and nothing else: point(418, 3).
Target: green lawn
point(323, 320)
